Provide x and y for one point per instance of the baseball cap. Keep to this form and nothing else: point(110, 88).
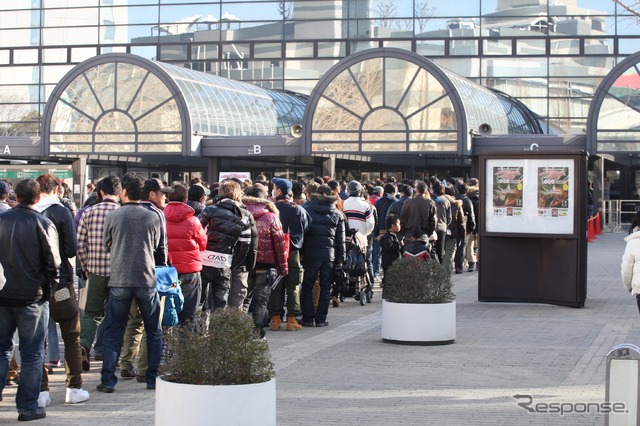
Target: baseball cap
point(154, 185)
point(283, 185)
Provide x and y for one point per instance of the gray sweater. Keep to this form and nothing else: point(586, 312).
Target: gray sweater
point(132, 234)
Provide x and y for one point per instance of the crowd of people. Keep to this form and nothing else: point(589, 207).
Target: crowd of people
point(270, 248)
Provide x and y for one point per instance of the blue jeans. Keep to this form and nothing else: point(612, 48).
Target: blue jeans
point(116, 317)
point(32, 322)
point(311, 270)
point(53, 343)
point(377, 257)
point(259, 294)
point(191, 286)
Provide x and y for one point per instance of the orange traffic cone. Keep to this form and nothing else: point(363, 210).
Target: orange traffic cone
point(598, 225)
point(591, 235)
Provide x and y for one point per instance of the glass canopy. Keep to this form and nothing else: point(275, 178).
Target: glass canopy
point(392, 100)
point(124, 104)
point(614, 117)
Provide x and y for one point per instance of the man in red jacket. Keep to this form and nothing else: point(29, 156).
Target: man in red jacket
point(273, 251)
point(186, 240)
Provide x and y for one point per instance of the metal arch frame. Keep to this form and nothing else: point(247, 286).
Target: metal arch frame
point(387, 52)
point(599, 96)
point(128, 58)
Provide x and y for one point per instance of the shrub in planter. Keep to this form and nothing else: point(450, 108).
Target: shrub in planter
point(222, 348)
point(410, 280)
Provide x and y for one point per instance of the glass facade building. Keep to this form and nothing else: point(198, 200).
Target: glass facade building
point(549, 55)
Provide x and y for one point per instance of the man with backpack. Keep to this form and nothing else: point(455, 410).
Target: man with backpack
point(457, 230)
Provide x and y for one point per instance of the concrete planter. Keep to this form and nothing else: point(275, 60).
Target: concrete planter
point(418, 323)
point(182, 404)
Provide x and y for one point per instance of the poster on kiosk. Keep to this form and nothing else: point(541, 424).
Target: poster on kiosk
point(532, 233)
point(530, 196)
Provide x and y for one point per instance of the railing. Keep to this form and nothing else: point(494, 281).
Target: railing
point(616, 213)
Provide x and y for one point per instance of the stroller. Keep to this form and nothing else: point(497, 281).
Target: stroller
point(353, 280)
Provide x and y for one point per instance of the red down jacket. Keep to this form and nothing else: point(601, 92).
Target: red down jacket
point(186, 237)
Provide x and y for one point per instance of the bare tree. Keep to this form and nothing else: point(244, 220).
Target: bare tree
point(424, 12)
point(631, 6)
point(14, 117)
point(284, 8)
point(386, 12)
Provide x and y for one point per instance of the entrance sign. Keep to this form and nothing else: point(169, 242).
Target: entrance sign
point(530, 196)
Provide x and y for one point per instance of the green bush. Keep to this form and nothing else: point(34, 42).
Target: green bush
point(411, 280)
point(222, 348)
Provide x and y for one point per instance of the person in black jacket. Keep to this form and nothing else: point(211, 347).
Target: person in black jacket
point(382, 207)
point(295, 222)
point(231, 241)
point(65, 311)
point(390, 244)
point(324, 248)
point(30, 259)
point(470, 223)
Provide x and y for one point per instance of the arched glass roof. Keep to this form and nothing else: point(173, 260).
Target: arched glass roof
point(120, 103)
point(392, 100)
point(614, 115)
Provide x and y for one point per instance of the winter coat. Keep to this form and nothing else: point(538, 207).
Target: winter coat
point(359, 215)
point(382, 206)
point(325, 240)
point(272, 246)
point(391, 249)
point(630, 267)
point(62, 219)
point(443, 213)
point(470, 216)
point(396, 208)
point(418, 212)
point(295, 221)
point(29, 255)
point(186, 237)
point(231, 229)
point(473, 194)
point(458, 223)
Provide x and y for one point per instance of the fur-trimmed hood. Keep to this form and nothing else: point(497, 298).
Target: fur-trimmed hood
point(452, 200)
point(259, 205)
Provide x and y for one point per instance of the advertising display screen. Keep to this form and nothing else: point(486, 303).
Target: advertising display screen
point(530, 196)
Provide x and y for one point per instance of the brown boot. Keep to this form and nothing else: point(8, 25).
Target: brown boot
point(335, 301)
point(292, 324)
point(276, 322)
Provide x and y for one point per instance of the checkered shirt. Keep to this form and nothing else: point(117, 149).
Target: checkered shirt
point(91, 251)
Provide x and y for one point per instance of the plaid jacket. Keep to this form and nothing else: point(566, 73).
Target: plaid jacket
point(93, 257)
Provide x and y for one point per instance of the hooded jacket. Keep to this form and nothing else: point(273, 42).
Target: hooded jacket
point(62, 219)
point(272, 246)
point(630, 267)
point(186, 237)
point(29, 255)
point(324, 242)
point(231, 229)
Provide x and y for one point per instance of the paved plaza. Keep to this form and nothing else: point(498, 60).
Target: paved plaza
point(345, 375)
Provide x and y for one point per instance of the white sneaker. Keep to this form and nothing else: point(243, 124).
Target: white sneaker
point(75, 396)
point(44, 399)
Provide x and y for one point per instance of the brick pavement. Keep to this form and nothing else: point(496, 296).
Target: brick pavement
point(344, 374)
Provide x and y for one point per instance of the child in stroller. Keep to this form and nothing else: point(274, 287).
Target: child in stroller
point(352, 280)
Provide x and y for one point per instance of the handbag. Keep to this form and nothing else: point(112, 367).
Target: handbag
point(166, 278)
